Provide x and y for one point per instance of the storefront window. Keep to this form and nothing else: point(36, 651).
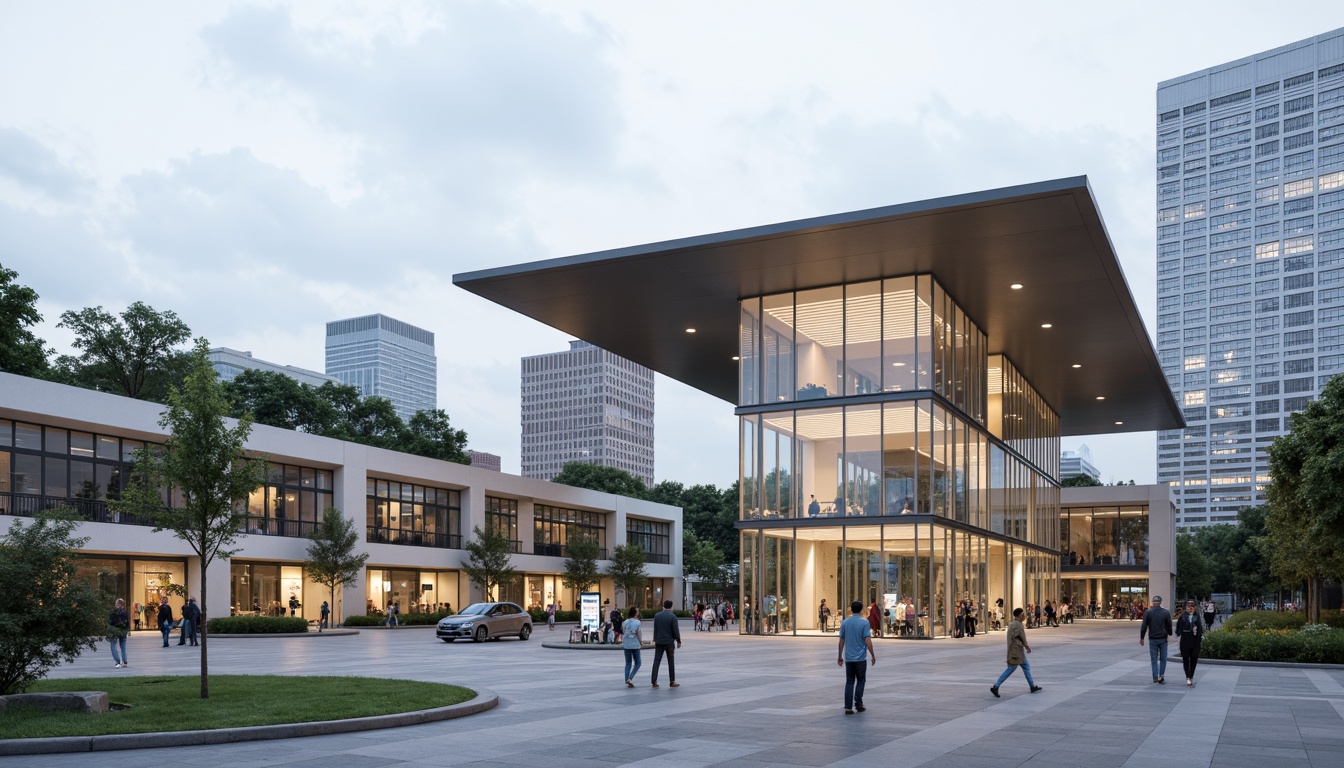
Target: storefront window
point(290, 502)
point(414, 515)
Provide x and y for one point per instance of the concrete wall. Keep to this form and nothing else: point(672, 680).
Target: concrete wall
point(1161, 526)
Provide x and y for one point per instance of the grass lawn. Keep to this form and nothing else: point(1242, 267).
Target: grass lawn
point(175, 703)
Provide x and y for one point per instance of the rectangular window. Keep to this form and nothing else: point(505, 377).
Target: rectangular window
point(1266, 131)
point(1299, 141)
point(501, 517)
point(1298, 123)
point(1297, 105)
point(1269, 112)
point(1298, 163)
point(654, 538)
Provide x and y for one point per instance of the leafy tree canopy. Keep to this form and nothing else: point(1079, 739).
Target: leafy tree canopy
point(627, 571)
point(1079, 481)
point(137, 354)
point(48, 615)
point(599, 478)
point(581, 571)
point(21, 352)
point(1305, 523)
point(203, 461)
point(701, 558)
point(332, 559)
point(1193, 579)
point(489, 560)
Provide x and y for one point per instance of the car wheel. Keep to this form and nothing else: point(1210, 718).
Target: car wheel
point(481, 634)
point(525, 632)
point(447, 639)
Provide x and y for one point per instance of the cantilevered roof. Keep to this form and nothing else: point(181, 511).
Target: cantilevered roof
point(638, 302)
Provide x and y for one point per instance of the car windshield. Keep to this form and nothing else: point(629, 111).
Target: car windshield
point(476, 609)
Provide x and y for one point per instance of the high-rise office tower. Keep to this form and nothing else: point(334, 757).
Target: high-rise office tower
point(385, 358)
point(1250, 263)
point(586, 404)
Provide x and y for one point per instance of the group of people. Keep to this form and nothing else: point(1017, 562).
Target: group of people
point(120, 622)
point(710, 617)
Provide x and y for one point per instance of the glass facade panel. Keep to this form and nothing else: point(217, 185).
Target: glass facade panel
point(437, 522)
point(863, 460)
point(898, 335)
point(777, 347)
point(818, 342)
point(863, 338)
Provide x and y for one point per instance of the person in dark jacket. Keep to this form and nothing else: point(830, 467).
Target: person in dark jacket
point(1157, 627)
point(119, 623)
point(1190, 635)
point(666, 631)
point(191, 618)
point(165, 619)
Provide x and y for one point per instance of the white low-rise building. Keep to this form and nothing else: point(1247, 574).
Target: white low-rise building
point(65, 446)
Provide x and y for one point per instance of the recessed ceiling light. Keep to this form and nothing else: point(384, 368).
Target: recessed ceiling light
point(1016, 286)
point(1047, 325)
point(898, 365)
point(1118, 423)
point(1077, 365)
point(1101, 397)
point(735, 357)
point(690, 330)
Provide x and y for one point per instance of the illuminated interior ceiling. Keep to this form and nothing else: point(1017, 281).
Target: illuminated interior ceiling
point(639, 302)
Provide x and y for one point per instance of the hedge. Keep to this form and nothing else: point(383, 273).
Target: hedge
point(1320, 647)
point(1253, 620)
point(256, 625)
point(405, 619)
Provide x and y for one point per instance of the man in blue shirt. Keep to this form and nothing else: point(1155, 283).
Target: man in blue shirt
point(855, 637)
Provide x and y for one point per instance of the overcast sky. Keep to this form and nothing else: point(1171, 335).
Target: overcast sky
point(263, 168)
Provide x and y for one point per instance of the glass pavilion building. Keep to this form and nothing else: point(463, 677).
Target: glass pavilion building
point(902, 378)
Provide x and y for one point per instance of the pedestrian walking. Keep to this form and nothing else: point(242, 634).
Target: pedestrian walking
point(165, 619)
point(856, 637)
point(631, 640)
point(824, 615)
point(119, 625)
point(1190, 636)
point(614, 616)
point(1017, 653)
point(1210, 612)
point(875, 619)
point(322, 622)
point(1157, 627)
point(191, 616)
point(550, 616)
point(666, 631)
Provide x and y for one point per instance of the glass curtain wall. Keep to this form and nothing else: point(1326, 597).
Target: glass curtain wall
point(983, 454)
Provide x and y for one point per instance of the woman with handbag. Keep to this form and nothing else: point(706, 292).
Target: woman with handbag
point(1191, 635)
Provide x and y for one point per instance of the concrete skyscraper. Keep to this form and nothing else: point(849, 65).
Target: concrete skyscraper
point(385, 358)
point(586, 404)
point(1250, 263)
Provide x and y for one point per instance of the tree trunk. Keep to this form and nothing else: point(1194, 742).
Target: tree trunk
point(205, 640)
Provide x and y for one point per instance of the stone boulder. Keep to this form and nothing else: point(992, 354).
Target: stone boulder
point(75, 701)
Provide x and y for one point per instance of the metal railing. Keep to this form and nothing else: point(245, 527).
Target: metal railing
point(377, 535)
point(92, 510)
point(559, 550)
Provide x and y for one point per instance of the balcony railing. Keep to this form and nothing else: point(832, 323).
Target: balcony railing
point(559, 550)
point(279, 526)
point(376, 535)
point(663, 558)
point(92, 510)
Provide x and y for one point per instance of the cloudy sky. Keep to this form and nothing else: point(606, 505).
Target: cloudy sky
point(264, 168)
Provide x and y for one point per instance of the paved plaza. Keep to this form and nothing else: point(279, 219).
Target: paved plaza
point(777, 701)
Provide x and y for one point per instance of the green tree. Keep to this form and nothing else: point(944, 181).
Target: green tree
point(489, 561)
point(599, 478)
point(277, 400)
point(332, 559)
point(1250, 573)
point(1079, 481)
point(1306, 498)
point(707, 511)
point(430, 433)
point(204, 462)
point(701, 559)
point(581, 571)
point(1193, 579)
point(627, 571)
point(136, 355)
point(21, 352)
point(47, 614)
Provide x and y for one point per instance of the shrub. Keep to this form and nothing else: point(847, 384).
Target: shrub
point(405, 619)
point(1253, 620)
point(256, 625)
point(1306, 647)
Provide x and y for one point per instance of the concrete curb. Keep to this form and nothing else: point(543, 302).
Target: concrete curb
point(263, 635)
point(1288, 664)
point(485, 700)
point(567, 646)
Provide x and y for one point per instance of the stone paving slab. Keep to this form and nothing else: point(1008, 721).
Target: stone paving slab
point(777, 701)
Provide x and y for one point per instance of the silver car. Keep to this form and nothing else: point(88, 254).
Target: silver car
point(482, 621)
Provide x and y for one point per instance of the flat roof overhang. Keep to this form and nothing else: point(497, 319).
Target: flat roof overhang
point(637, 302)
